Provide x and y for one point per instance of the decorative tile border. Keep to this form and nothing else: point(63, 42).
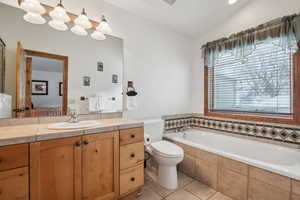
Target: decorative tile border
point(274, 132)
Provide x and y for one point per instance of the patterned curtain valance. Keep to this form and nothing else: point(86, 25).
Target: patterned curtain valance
point(243, 43)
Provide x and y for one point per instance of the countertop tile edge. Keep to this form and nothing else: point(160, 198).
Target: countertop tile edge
point(17, 140)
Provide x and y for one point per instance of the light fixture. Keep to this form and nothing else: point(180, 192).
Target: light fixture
point(97, 35)
point(59, 18)
point(104, 26)
point(82, 22)
point(34, 11)
point(231, 2)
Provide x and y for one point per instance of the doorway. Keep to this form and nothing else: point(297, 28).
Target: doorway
point(44, 89)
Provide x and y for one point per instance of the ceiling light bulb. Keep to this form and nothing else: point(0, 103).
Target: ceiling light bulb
point(231, 2)
point(33, 6)
point(97, 35)
point(78, 30)
point(83, 21)
point(34, 18)
point(104, 26)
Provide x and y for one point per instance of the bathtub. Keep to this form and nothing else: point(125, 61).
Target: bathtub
point(281, 160)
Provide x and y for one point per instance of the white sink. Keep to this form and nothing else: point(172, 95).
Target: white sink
point(79, 125)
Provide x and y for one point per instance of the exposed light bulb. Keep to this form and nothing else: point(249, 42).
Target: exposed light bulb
point(59, 18)
point(104, 26)
point(231, 2)
point(97, 35)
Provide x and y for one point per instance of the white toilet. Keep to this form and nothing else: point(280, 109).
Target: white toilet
point(166, 154)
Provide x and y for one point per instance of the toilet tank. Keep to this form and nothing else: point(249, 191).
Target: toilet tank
point(154, 128)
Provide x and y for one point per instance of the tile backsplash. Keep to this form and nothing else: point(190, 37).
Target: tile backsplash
point(274, 132)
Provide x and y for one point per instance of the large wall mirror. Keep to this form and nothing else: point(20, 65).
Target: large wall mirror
point(49, 72)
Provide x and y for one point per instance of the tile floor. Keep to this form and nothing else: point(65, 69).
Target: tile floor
point(189, 189)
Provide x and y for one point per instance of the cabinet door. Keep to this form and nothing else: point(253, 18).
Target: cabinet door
point(55, 169)
point(14, 184)
point(101, 166)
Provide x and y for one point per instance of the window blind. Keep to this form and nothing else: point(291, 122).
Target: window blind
point(259, 83)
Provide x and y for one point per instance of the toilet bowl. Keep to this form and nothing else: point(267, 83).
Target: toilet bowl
point(167, 155)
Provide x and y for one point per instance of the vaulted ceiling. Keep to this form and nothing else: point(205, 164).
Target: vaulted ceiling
point(190, 17)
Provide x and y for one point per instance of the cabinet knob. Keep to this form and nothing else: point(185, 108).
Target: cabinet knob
point(132, 136)
point(132, 179)
point(77, 144)
point(132, 155)
point(85, 142)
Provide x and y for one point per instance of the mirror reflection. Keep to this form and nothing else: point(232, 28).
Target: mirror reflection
point(45, 72)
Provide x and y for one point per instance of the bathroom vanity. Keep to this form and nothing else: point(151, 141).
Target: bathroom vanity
point(104, 162)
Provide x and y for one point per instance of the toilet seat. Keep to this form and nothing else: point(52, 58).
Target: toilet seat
point(167, 149)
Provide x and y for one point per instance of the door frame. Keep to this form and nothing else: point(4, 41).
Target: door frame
point(19, 55)
point(28, 92)
point(65, 60)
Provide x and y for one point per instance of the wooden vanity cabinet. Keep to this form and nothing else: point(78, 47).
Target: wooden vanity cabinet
point(14, 181)
point(131, 161)
point(55, 169)
point(78, 168)
point(100, 164)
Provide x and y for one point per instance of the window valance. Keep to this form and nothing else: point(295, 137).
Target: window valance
point(242, 44)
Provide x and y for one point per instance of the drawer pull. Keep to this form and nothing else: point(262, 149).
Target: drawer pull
point(132, 179)
point(85, 142)
point(132, 155)
point(77, 144)
point(132, 136)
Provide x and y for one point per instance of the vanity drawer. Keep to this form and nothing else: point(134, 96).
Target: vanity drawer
point(131, 155)
point(13, 156)
point(131, 179)
point(133, 135)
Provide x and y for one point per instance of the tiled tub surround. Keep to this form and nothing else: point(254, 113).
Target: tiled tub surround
point(236, 167)
point(272, 132)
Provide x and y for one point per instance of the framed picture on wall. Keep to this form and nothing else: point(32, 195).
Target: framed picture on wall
point(61, 88)
point(39, 87)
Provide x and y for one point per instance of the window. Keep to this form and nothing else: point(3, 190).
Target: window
point(260, 83)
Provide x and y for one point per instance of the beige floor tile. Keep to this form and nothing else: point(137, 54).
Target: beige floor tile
point(149, 194)
point(163, 192)
point(200, 190)
point(151, 182)
point(182, 195)
point(220, 196)
point(183, 180)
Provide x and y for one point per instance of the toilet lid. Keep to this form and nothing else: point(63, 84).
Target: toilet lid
point(167, 149)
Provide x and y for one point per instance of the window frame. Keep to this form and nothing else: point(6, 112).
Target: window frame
point(293, 119)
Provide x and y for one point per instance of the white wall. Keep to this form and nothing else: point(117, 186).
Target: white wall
point(255, 13)
point(157, 59)
point(52, 100)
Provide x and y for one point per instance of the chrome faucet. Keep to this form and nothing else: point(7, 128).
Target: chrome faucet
point(73, 116)
point(183, 130)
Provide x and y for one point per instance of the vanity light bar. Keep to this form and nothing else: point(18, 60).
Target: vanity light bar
point(59, 17)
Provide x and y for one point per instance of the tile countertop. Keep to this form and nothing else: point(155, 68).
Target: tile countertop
point(10, 135)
